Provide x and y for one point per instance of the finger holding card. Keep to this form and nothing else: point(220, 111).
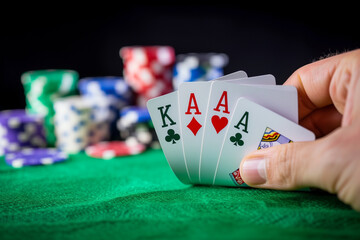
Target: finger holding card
point(252, 127)
point(222, 99)
point(201, 129)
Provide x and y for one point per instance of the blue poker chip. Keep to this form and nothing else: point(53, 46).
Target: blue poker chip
point(132, 115)
point(140, 114)
point(106, 86)
point(194, 67)
point(35, 156)
point(214, 73)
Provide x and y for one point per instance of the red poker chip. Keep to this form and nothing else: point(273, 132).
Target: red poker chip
point(108, 150)
point(145, 67)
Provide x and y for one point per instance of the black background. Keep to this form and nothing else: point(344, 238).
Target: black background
point(258, 38)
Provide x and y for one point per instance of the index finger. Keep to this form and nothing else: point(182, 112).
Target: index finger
point(313, 82)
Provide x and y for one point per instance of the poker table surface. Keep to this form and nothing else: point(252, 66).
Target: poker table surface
point(139, 197)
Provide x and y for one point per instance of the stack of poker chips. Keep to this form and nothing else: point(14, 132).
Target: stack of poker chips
point(42, 88)
point(107, 96)
point(135, 125)
point(20, 130)
point(148, 70)
point(72, 124)
point(194, 67)
point(35, 156)
point(22, 140)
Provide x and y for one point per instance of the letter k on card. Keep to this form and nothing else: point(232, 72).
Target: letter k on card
point(164, 114)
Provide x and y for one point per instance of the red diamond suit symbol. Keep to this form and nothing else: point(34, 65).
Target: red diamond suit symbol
point(194, 126)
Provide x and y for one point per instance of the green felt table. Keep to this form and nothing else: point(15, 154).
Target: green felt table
point(138, 197)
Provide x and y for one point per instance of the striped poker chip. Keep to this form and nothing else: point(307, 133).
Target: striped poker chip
point(148, 70)
point(111, 149)
point(194, 67)
point(20, 129)
point(42, 88)
point(35, 156)
point(131, 115)
point(106, 86)
point(72, 123)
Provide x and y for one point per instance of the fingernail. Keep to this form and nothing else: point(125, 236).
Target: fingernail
point(254, 171)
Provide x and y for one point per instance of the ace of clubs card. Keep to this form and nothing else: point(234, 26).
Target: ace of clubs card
point(222, 100)
point(253, 127)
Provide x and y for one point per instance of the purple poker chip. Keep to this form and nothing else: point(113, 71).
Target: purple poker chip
point(19, 114)
point(19, 129)
point(35, 156)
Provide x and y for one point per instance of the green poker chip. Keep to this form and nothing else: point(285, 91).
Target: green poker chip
point(48, 82)
point(42, 88)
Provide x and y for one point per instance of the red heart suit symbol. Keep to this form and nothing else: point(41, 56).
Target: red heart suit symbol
point(219, 123)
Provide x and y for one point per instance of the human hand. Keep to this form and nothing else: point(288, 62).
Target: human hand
point(329, 105)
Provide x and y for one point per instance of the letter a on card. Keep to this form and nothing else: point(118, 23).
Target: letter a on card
point(193, 99)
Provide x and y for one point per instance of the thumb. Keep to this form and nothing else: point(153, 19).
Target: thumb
point(287, 166)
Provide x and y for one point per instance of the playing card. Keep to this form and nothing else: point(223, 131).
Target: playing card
point(234, 75)
point(164, 114)
point(252, 127)
point(222, 99)
point(193, 100)
point(266, 79)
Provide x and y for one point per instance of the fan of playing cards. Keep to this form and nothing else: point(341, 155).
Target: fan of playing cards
point(206, 128)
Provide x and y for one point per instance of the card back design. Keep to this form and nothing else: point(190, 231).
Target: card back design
point(236, 177)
